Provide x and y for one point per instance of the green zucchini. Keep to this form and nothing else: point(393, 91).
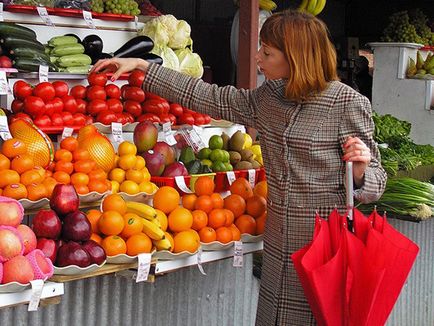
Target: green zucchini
point(62, 40)
point(11, 42)
point(77, 69)
point(74, 60)
point(28, 53)
point(67, 49)
point(32, 65)
point(12, 29)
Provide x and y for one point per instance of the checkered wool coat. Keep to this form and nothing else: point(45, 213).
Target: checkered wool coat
point(302, 152)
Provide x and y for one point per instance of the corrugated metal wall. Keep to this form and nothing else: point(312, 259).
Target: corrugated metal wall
point(225, 296)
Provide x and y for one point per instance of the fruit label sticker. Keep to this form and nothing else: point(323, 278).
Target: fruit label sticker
point(252, 177)
point(87, 15)
point(5, 134)
point(199, 261)
point(4, 85)
point(238, 254)
point(231, 176)
point(180, 182)
point(67, 132)
point(168, 135)
point(144, 266)
point(196, 140)
point(117, 132)
point(42, 11)
point(43, 73)
point(35, 296)
point(1, 12)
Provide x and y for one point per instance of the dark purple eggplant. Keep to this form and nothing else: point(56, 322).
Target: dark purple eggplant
point(151, 57)
point(135, 47)
point(93, 47)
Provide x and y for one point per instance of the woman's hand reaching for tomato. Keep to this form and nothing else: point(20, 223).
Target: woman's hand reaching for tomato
point(119, 66)
point(357, 152)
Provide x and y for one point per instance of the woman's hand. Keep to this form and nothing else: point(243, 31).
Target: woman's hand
point(119, 66)
point(357, 152)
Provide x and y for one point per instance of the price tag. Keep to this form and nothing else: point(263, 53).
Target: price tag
point(4, 85)
point(231, 176)
point(144, 266)
point(199, 261)
point(4, 128)
point(1, 12)
point(117, 132)
point(238, 254)
point(35, 297)
point(136, 22)
point(67, 132)
point(168, 135)
point(180, 182)
point(196, 139)
point(87, 15)
point(252, 177)
point(42, 11)
point(43, 74)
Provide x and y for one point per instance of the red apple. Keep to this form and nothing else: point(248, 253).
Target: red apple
point(71, 253)
point(64, 199)
point(95, 251)
point(76, 227)
point(46, 224)
point(5, 62)
point(48, 247)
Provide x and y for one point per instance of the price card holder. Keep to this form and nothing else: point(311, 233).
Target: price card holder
point(231, 176)
point(45, 17)
point(4, 85)
point(87, 15)
point(1, 12)
point(144, 267)
point(67, 132)
point(43, 74)
point(238, 254)
point(4, 128)
point(180, 182)
point(35, 297)
point(252, 177)
point(199, 261)
point(117, 132)
point(168, 135)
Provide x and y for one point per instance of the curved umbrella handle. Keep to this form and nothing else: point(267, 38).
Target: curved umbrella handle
point(349, 190)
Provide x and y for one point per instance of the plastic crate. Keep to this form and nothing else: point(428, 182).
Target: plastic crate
point(171, 182)
point(222, 182)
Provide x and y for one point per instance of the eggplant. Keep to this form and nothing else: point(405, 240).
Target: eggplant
point(93, 47)
point(151, 57)
point(135, 47)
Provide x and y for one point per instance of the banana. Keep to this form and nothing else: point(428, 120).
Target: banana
point(268, 5)
point(156, 221)
point(163, 244)
point(320, 4)
point(152, 230)
point(303, 5)
point(311, 5)
point(141, 209)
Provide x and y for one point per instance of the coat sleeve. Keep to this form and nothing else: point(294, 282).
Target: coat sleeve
point(357, 121)
point(228, 102)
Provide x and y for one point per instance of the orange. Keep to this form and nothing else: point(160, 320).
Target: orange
point(79, 178)
point(180, 219)
point(166, 199)
point(111, 223)
point(236, 204)
point(241, 187)
point(260, 223)
point(117, 174)
point(138, 244)
point(97, 174)
point(9, 177)
point(236, 234)
point(36, 191)
point(246, 224)
point(207, 234)
point(96, 237)
point(81, 189)
point(140, 163)
point(98, 186)
point(195, 234)
point(188, 201)
point(5, 164)
point(22, 163)
point(134, 175)
point(15, 191)
point(217, 200)
point(64, 166)
point(42, 172)
point(69, 143)
point(130, 187)
point(204, 203)
point(229, 217)
point(13, 147)
point(63, 155)
point(146, 187)
point(62, 177)
point(162, 218)
point(200, 219)
point(223, 234)
point(84, 166)
point(127, 147)
point(49, 184)
point(217, 218)
point(114, 245)
point(185, 241)
point(93, 216)
point(261, 189)
point(167, 235)
point(80, 154)
point(132, 225)
point(30, 176)
point(204, 185)
point(256, 205)
point(127, 161)
point(114, 202)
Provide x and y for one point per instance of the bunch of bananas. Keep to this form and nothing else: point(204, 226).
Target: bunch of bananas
point(313, 7)
point(268, 5)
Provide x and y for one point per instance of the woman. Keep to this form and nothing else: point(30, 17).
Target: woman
point(310, 125)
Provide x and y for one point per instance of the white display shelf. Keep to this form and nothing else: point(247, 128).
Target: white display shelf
point(49, 290)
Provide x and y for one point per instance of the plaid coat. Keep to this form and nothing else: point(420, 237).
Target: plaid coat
point(302, 152)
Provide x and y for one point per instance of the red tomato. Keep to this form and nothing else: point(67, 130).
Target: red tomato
point(207, 118)
point(68, 119)
point(17, 106)
point(49, 108)
point(134, 94)
point(42, 121)
point(79, 119)
point(186, 118)
point(106, 117)
point(34, 106)
point(148, 117)
point(150, 96)
point(133, 107)
point(69, 104)
point(78, 91)
point(189, 111)
point(198, 119)
point(22, 89)
point(136, 78)
point(81, 105)
point(45, 91)
point(96, 92)
point(99, 79)
point(56, 120)
point(96, 106)
point(22, 116)
point(57, 104)
point(129, 117)
point(157, 106)
point(113, 91)
point(167, 117)
point(114, 105)
point(176, 109)
point(121, 118)
point(89, 120)
point(61, 88)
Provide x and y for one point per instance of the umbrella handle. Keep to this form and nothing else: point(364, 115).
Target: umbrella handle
point(349, 189)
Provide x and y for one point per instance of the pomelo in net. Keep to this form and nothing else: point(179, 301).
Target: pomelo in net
point(12, 212)
point(41, 265)
point(17, 269)
point(29, 238)
point(11, 243)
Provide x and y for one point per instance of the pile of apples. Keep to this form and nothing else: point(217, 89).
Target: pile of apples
point(63, 232)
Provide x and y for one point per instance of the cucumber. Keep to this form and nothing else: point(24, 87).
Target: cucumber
point(74, 60)
point(32, 65)
point(62, 40)
point(28, 53)
point(67, 49)
point(11, 29)
point(11, 42)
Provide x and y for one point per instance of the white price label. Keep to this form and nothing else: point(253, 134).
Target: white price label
point(231, 176)
point(87, 15)
point(196, 139)
point(252, 177)
point(168, 135)
point(67, 132)
point(35, 297)
point(144, 266)
point(1, 12)
point(180, 182)
point(42, 11)
point(43, 74)
point(199, 261)
point(4, 85)
point(238, 254)
point(136, 22)
point(117, 132)
point(4, 128)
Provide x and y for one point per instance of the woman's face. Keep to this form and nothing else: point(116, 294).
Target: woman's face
point(272, 62)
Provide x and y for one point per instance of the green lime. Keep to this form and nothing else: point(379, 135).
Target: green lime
point(217, 155)
point(215, 142)
point(226, 156)
point(206, 162)
point(204, 153)
point(228, 166)
point(218, 166)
